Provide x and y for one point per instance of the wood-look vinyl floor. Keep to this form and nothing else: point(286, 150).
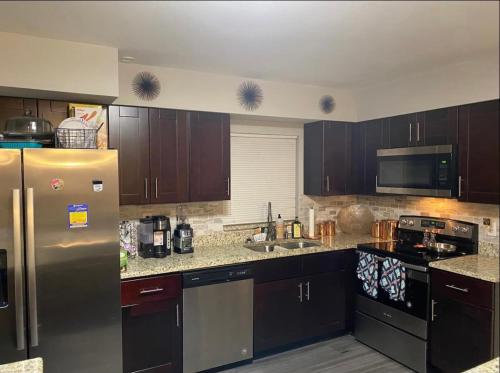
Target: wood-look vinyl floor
point(339, 355)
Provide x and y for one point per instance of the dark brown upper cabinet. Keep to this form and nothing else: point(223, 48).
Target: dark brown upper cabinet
point(168, 155)
point(371, 139)
point(401, 131)
point(438, 127)
point(129, 133)
point(15, 107)
point(327, 158)
point(209, 161)
point(478, 157)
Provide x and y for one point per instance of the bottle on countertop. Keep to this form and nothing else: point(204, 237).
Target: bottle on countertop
point(280, 228)
point(296, 228)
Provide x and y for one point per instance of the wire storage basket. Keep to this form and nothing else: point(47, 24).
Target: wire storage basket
point(81, 138)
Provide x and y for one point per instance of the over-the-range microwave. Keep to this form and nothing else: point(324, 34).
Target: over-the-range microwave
point(420, 171)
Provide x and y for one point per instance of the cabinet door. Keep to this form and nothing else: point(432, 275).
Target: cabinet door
point(168, 155)
point(324, 307)
point(461, 335)
point(152, 338)
point(478, 152)
point(209, 157)
point(371, 141)
point(437, 127)
point(334, 158)
point(15, 107)
point(355, 159)
point(399, 131)
point(277, 314)
point(129, 133)
point(314, 179)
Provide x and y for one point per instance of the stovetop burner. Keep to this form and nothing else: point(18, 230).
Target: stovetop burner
point(411, 229)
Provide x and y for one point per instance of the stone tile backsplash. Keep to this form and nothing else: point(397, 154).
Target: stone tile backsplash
point(210, 219)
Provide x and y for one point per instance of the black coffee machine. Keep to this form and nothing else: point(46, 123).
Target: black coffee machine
point(183, 233)
point(155, 237)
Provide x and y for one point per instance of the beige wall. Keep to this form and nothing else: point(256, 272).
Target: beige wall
point(447, 85)
point(183, 89)
point(40, 67)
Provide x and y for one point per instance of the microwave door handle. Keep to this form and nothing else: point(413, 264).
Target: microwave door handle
point(18, 268)
point(31, 264)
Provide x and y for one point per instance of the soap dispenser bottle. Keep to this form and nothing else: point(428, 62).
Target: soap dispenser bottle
point(296, 228)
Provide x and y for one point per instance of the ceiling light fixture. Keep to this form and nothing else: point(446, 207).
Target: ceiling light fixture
point(127, 59)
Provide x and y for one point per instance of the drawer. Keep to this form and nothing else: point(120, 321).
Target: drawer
point(151, 289)
point(462, 288)
point(277, 269)
point(324, 262)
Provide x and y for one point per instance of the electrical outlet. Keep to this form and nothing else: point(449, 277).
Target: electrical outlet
point(491, 229)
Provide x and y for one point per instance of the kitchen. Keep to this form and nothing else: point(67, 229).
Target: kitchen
point(221, 204)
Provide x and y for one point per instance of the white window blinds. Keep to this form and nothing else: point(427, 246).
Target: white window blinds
point(263, 169)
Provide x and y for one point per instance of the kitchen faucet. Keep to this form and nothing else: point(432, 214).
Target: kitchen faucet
point(271, 229)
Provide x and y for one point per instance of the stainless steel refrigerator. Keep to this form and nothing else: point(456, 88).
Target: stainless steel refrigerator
point(59, 259)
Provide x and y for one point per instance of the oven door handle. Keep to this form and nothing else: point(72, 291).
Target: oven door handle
point(406, 265)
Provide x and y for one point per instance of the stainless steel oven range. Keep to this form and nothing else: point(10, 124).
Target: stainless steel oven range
point(400, 328)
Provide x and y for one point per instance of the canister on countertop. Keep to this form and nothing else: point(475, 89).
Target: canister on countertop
point(377, 229)
point(389, 229)
point(330, 228)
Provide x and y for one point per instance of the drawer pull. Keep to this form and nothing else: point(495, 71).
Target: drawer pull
point(150, 291)
point(388, 315)
point(463, 290)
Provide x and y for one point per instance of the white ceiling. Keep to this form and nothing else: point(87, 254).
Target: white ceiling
point(324, 43)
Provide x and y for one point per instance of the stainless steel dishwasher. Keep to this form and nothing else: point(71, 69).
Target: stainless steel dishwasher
point(217, 317)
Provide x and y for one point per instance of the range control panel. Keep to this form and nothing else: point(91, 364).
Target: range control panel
point(446, 227)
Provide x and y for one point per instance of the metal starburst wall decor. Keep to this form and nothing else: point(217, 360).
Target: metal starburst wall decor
point(326, 104)
point(146, 86)
point(250, 95)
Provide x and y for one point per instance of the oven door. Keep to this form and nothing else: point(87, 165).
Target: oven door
point(417, 291)
point(424, 171)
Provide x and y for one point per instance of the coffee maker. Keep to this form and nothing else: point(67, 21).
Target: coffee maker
point(161, 236)
point(146, 244)
point(154, 237)
point(183, 234)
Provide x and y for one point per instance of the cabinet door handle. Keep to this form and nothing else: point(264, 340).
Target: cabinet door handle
point(463, 290)
point(388, 315)
point(308, 290)
point(433, 315)
point(228, 186)
point(300, 292)
point(410, 133)
point(156, 187)
point(460, 186)
point(150, 291)
point(177, 315)
point(327, 183)
point(418, 131)
point(146, 187)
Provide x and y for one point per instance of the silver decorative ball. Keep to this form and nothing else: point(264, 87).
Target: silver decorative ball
point(355, 219)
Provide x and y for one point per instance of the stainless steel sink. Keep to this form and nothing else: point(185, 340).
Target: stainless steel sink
point(265, 247)
point(297, 245)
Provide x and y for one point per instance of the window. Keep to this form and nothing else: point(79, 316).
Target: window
point(263, 169)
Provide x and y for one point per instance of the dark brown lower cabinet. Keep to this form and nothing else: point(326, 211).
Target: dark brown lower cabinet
point(151, 325)
point(464, 326)
point(301, 304)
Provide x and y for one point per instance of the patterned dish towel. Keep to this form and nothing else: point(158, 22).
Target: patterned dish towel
point(367, 272)
point(393, 279)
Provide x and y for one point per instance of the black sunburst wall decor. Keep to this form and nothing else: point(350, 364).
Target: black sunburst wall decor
point(250, 95)
point(326, 103)
point(146, 86)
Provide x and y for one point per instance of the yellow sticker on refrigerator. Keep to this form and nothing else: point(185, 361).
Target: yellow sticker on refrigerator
point(78, 215)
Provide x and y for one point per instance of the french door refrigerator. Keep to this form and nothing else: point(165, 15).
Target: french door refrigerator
point(59, 259)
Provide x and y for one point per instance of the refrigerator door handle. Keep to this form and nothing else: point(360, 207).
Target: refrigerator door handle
point(18, 268)
point(30, 251)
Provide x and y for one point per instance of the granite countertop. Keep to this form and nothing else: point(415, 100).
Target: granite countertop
point(477, 266)
point(213, 256)
point(489, 367)
point(25, 366)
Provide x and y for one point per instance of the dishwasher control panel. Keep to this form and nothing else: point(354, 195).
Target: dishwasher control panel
point(213, 276)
